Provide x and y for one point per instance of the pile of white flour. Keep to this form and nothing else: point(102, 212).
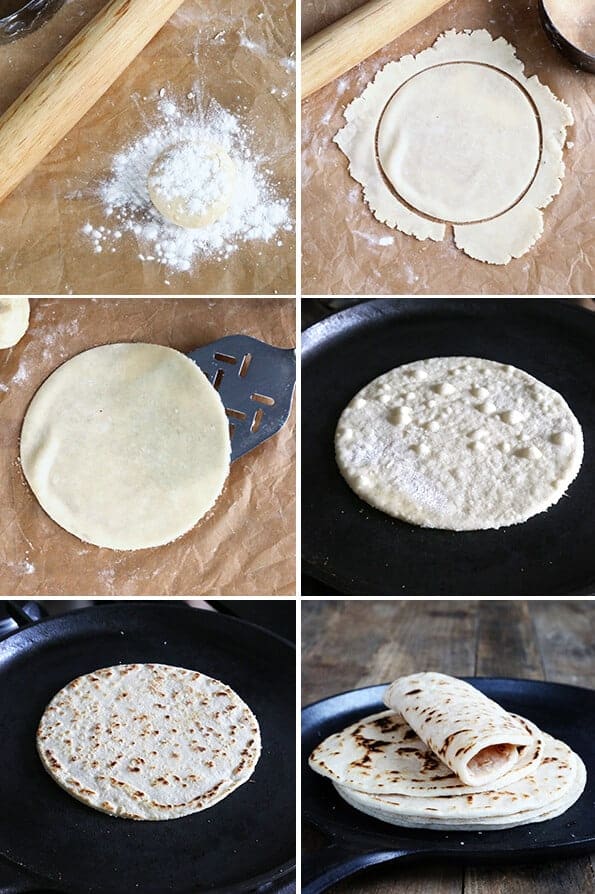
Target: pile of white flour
point(256, 213)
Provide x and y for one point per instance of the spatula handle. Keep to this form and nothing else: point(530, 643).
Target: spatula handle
point(76, 79)
point(334, 50)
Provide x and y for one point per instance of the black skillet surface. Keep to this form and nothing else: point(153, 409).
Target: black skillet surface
point(50, 841)
point(357, 841)
point(359, 550)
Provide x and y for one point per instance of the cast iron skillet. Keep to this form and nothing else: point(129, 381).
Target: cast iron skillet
point(359, 550)
point(50, 841)
point(358, 841)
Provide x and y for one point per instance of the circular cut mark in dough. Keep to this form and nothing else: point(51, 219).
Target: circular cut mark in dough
point(432, 157)
point(14, 321)
point(126, 446)
point(469, 154)
point(472, 470)
point(191, 184)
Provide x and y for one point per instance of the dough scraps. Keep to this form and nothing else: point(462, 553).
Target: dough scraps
point(459, 136)
point(14, 321)
point(126, 446)
point(459, 443)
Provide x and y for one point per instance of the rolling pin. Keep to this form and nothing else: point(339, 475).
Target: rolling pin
point(76, 79)
point(337, 48)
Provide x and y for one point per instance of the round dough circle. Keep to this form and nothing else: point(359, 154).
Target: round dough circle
point(14, 320)
point(459, 443)
point(191, 184)
point(148, 741)
point(459, 142)
point(126, 446)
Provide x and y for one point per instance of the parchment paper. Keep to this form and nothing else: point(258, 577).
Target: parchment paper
point(245, 546)
point(239, 52)
point(342, 252)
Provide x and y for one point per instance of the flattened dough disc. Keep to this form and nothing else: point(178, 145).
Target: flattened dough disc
point(459, 443)
point(126, 446)
point(470, 153)
point(14, 320)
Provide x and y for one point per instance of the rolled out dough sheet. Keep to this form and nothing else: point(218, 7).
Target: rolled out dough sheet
point(458, 135)
point(126, 446)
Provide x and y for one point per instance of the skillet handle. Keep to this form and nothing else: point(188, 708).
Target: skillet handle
point(332, 863)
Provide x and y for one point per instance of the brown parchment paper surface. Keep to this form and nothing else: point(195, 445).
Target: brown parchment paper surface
point(342, 251)
point(245, 546)
point(240, 53)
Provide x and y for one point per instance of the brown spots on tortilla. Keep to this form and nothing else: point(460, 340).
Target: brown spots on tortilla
point(52, 760)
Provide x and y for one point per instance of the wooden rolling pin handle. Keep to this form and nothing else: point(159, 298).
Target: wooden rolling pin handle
point(334, 50)
point(72, 84)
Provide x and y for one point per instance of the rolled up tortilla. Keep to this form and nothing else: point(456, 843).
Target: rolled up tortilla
point(469, 732)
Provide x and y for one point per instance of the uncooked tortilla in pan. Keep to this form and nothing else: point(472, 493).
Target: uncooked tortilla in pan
point(148, 741)
point(459, 443)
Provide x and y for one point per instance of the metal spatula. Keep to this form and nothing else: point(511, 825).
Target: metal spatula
point(255, 381)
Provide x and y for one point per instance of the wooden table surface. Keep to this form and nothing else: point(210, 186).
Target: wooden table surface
point(353, 643)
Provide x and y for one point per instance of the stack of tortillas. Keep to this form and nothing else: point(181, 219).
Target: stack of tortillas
point(447, 757)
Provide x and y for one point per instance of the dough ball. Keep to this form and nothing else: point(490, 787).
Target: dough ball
point(126, 446)
point(192, 184)
point(459, 443)
point(14, 320)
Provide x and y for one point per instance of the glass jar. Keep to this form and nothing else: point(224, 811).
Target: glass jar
point(18, 17)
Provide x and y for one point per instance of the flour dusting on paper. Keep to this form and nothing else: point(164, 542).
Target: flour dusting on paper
point(256, 212)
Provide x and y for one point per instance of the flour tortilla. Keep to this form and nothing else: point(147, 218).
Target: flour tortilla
point(381, 754)
point(459, 443)
point(548, 791)
point(472, 734)
point(14, 321)
point(148, 741)
point(126, 446)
